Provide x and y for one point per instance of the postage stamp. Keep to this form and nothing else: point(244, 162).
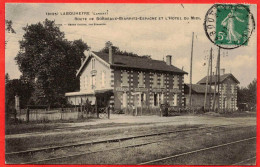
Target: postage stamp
point(229, 25)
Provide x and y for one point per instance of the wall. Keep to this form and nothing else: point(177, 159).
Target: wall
point(230, 105)
point(99, 67)
point(198, 100)
point(133, 76)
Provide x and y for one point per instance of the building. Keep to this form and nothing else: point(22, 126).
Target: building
point(227, 90)
point(122, 81)
point(198, 95)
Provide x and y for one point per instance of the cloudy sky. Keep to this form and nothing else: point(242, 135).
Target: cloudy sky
point(157, 38)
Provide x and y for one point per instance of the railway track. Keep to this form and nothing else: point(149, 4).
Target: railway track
point(107, 140)
point(211, 129)
point(199, 150)
point(245, 161)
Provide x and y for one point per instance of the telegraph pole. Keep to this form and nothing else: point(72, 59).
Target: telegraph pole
point(217, 79)
point(191, 70)
point(210, 81)
point(219, 76)
point(206, 92)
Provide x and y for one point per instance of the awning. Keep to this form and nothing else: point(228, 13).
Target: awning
point(79, 93)
point(104, 91)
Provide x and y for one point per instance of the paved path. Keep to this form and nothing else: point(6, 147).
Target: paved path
point(137, 122)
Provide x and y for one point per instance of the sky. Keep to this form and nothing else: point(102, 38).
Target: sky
point(157, 38)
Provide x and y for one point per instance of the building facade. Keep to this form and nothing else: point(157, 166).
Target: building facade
point(121, 81)
point(198, 96)
point(227, 90)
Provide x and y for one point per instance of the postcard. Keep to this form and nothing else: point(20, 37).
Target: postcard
point(130, 83)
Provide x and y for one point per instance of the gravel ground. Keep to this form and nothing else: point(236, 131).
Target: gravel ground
point(124, 121)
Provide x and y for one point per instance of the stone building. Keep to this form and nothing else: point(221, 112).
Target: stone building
point(227, 90)
point(128, 81)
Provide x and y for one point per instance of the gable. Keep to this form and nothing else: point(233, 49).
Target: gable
point(89, 57)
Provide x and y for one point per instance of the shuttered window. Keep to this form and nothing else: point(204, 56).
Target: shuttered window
point(142, 99)
point(86, 82)
point(124, 99)
point(224, 88)
point(141, 79)
point(155, 80)
point(162, 81)
point(175, 81)
point(232, 88)
point(175, 101)
point(125, 79)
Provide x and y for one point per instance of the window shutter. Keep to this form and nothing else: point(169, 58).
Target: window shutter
point(155, 80)
point(124, 79)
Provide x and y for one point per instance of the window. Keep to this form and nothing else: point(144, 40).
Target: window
point(224, 102)
point(93, 82)
point(103, 75)
point(86, 82)
point(162, 99)
point(93, 61)
point(125, 100)
point(224, 88)
point(142, 98)
point(175, 82)
point(155, 99)
point(232, 88)
point(162, 81)
point(125, 79)
point(141, 79)
point(175, 100)
point(155, 80)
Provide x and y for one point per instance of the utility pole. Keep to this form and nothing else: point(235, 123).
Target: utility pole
point(219, 77)
point(210, 80)
point(206, 92)
point(191, 70)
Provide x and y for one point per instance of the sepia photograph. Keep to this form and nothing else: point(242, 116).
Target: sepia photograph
point(130, 84)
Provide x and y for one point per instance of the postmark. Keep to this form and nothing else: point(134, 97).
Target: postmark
point(229, 26)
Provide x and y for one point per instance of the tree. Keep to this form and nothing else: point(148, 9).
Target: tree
point(7, 78)
point(116, 50)
point(247, 95)
point(17, 87)
point(49, 61)
point(252, 93)
point(9, 28)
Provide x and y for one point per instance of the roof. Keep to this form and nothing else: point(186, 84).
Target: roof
point(139, 63)
point(196, 88)
point(214, 77)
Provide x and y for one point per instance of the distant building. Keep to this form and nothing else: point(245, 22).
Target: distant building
point(125, 81)
point(198, 95)
point(227, 90)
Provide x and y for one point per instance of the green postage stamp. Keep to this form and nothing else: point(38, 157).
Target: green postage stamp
point(229, 25)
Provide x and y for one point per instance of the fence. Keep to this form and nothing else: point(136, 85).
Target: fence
point(55, 114)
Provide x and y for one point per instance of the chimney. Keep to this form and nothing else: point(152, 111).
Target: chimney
point(110, 55)
point(222, 71)
point(169, 60)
